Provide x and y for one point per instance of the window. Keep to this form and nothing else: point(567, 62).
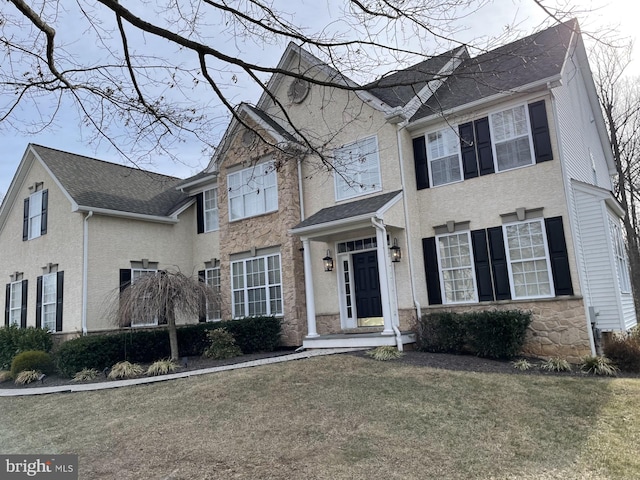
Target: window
point(49, 294)
point(211, 210)
point(528, 259)
point(256, 286)
point(35, 215)
point(444, 157)
point(357, 169)
point(620, 255)
point(15, 303)
point(137, 274)
point(252, 191)
point(212, 278)
point(456, 268)
point(511, 138)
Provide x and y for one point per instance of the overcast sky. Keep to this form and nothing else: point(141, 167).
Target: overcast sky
point(490, 21)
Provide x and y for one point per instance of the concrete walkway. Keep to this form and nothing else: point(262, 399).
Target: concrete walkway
point(19, 392)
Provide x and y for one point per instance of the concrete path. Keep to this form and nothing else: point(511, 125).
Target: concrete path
point(19, 392)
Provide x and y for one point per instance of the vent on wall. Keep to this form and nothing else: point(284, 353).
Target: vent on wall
point(298, 90)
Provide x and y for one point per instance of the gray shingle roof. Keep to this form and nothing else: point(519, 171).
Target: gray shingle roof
point(366, 206)
point(397, 88)
point(271, 122)
point(99, 184)
point(530, 59)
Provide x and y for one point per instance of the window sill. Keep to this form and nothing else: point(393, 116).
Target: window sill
point(253, 216)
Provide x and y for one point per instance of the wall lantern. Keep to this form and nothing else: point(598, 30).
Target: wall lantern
point(396, 253)
point(328, 262)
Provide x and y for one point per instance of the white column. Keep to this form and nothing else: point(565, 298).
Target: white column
point(308, 289)
point(381, 237)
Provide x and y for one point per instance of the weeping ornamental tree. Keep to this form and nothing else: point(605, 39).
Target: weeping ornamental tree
point(162, 297)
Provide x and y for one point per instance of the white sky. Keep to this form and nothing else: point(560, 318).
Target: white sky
point(491, 21)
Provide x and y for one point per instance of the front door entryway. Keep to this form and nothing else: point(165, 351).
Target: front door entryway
point(367, 288)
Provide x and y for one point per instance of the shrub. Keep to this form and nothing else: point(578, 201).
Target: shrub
point(32, 360)
point(556, 365)
point(384, 353)
point(162, 367)
point(123, 370)
point(98, 352)
point(497, 334)
point(223, 345)
point(441, 333)
point(27, 376)
point(522, 364)
point(14, 340)
point(598, 365)
point(5, 375)
point(624, 352)
point(85, 375)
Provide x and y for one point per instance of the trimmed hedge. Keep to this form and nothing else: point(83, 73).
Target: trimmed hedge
point(32, 360)
point(144, 346)
point(489, 334)
point(14, 340)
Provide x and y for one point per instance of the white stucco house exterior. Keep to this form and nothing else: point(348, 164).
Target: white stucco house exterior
point(456, 184)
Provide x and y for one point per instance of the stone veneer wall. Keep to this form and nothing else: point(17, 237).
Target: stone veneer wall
point(329, 324)
point(265, 231)
point(558, 329)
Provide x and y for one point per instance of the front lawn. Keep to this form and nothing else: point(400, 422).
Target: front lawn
point(336, 417)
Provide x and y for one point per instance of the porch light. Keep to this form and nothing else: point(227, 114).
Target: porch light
point(396, 253)
point(328, 262)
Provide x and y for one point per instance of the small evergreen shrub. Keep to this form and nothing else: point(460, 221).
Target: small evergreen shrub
point(94, 351)
point(624, 352)
point(556, 365)
point(598, 365)
point(162, 367)
point(85, 375)
point(124, 370)
point(384, 353)
point(27, 376)
point(497, 334)
point(14, 340)
point(32, 360)
point(222, 345)
point(441, 333)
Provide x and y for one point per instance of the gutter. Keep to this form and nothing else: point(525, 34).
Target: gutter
point(120, 214)
point(85, 269)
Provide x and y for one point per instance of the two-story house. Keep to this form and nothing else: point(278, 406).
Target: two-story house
point(458, 183)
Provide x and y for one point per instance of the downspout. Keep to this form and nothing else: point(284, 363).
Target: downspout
point(300, 194)
point(379, 226)
point(85, 269)
point(407, 227)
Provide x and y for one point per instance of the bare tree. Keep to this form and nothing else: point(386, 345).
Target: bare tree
point(620, 101)
point(161, 297)
point(146, 75)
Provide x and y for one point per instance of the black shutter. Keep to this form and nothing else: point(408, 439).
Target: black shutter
point(483, 146)
point(558, 256)
point(202, 316)
point(420, 162)
point(45, 210)
point(39, 302)
point(468, 151)
point(59, 298)
point(482, 265)
point(25, 220)
point(125, 278)
point(499, 266)
point(431, 269)
point(200, 212)
point(7, 305)
point(540, 132)
point(23, 307)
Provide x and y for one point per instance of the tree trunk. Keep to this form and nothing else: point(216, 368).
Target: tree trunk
point(173, 334)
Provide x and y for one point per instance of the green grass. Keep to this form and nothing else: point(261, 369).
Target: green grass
point(340, 417)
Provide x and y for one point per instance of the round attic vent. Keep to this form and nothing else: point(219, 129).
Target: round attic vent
point(248, 138)
point(298, 90)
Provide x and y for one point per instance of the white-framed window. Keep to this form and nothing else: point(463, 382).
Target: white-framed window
point(211, 221)
point(256, 285)
point(455, 264)
point(137, 274)
point(49, 298)
point(620, 255)
point(35, 215)
point(15, 303)
point(357, 168)
point(253, 191)
point(528, 259)
point(212, 279)
point(443, 153)
point(511, 137)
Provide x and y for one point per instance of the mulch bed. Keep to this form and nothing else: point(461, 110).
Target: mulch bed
point(468, 363)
